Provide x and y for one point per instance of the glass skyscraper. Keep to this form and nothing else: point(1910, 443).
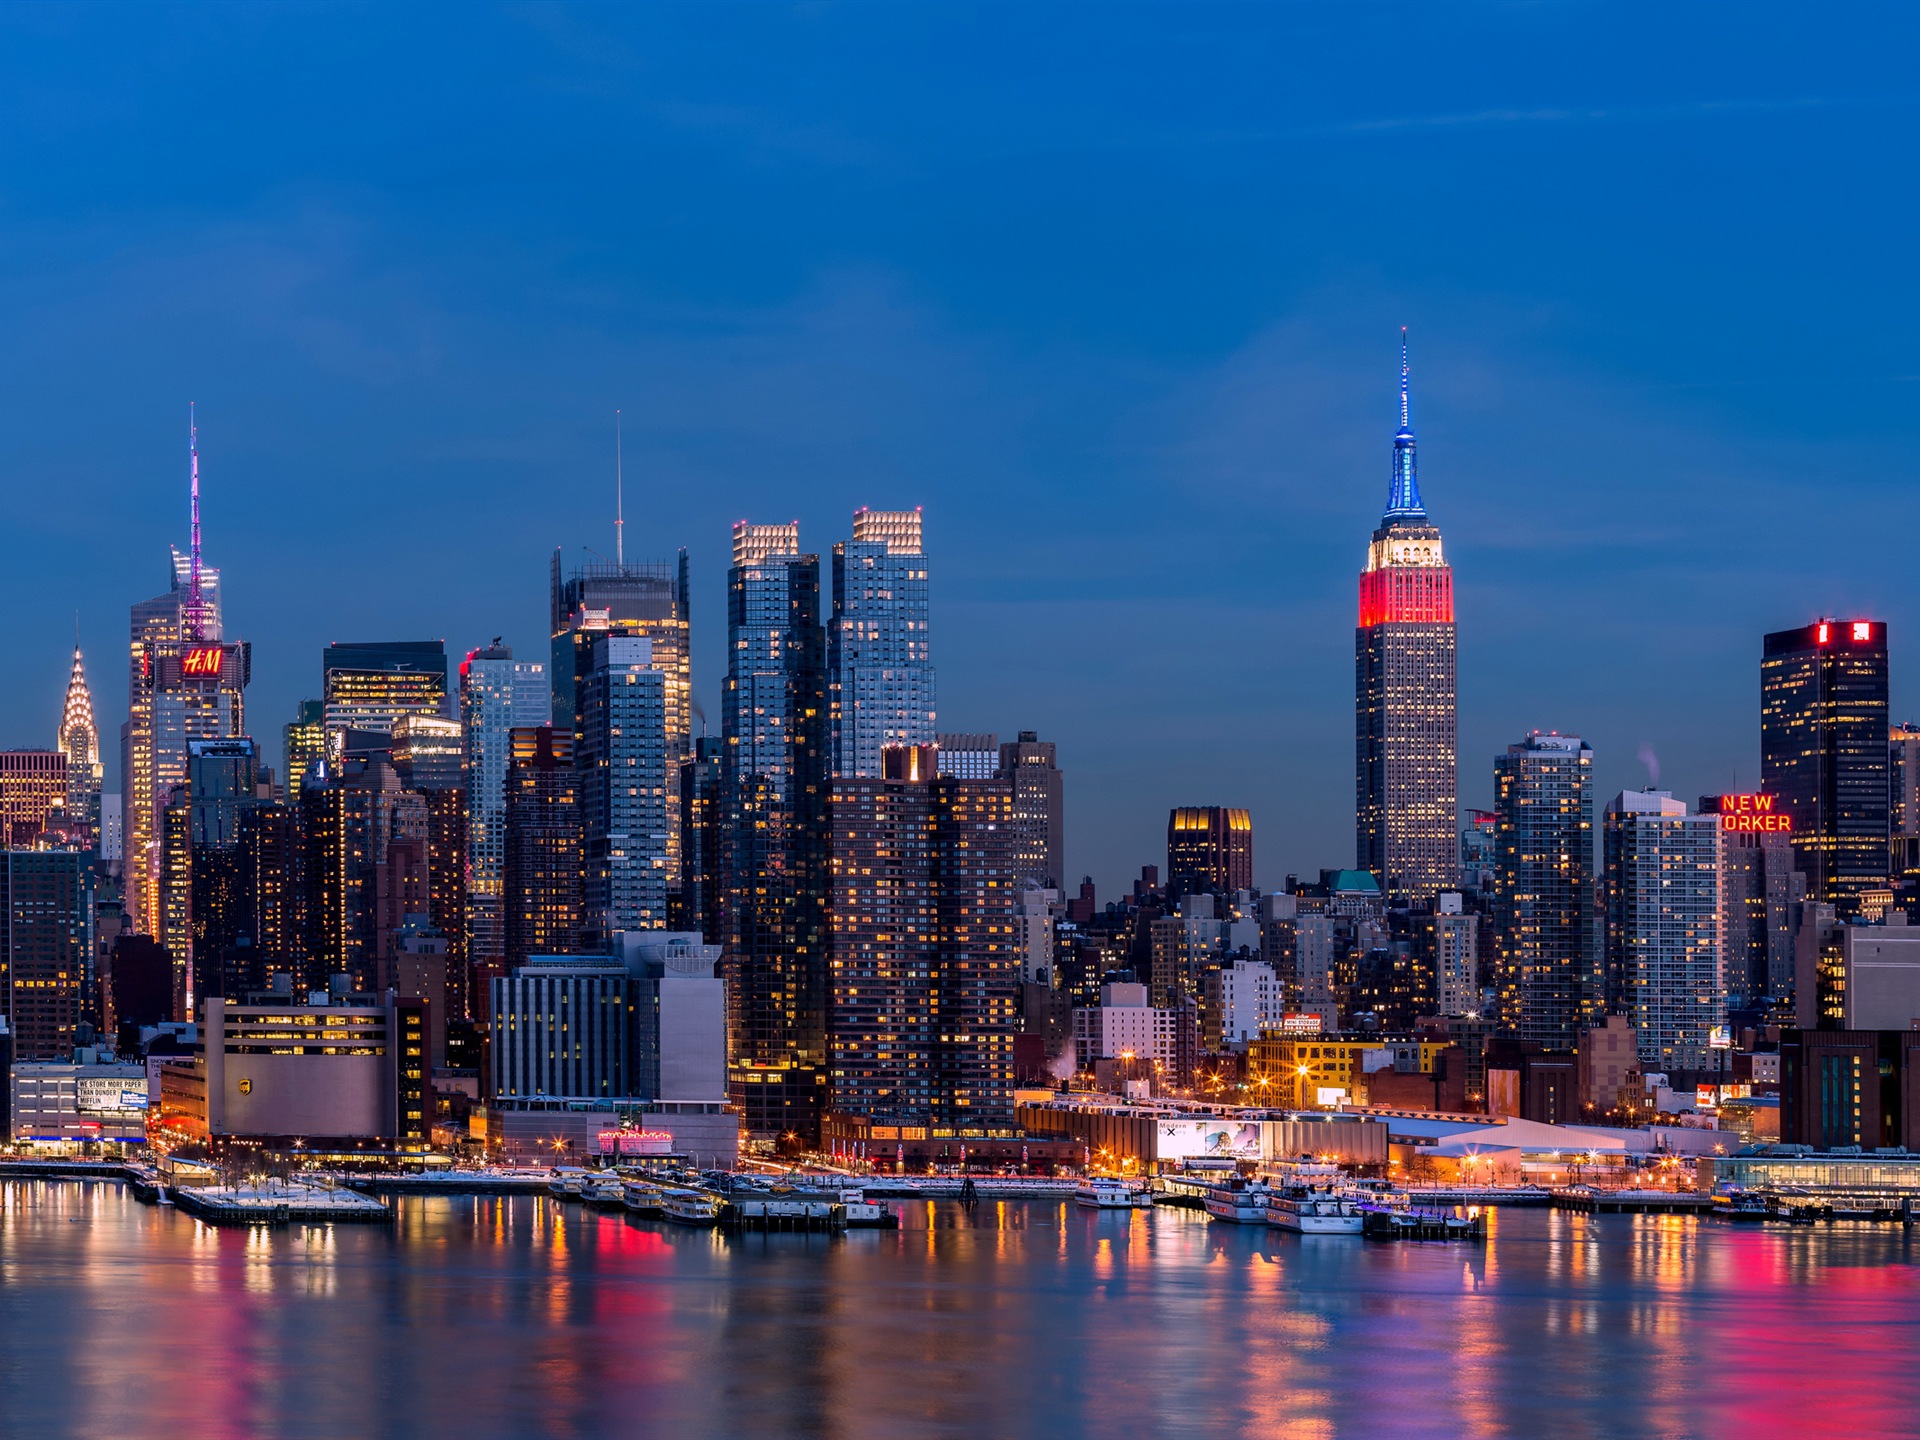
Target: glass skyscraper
point(1823, 753)
point(1546, 951)
point(1665, 968)
point(625, 808)
point(1406, 777)
point(879, 654)
point(370, 686)
point(497, 695)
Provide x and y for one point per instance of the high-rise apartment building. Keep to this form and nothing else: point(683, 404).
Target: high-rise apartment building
point(1209, 850)
point(543, 878)
point(1761, 887)
point(204, 876)
point(879, 652)
point(1448, 943)
point(969, 756)
point(1404, 697)
point(371, 685)
point(305, 740)
point(1823, 753)
point(46, 948)
point(562, 1027)
point(701, 908)
point(1040, 810)
point(497, 695)
point(429, 753)
point(1664, 969)
point(33, 794)
point(622, 761)
point(1546, 950)
point(774, 777)
point(1903, 806)
point(925, 973)
point(651, 602)
point(79, 741)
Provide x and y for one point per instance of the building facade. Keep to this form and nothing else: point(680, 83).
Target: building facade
point(79, 741)
point(626, 801)
point(1546, 947)
point(880, 678)
point(543, 880)
point(1039, 809)
point(562, 1028)
point(47, 961)
point(1406, 761)
point(369, 686)
point(1824, 753)
point(1664, 966)
point(1209, 850)
point(497, 695)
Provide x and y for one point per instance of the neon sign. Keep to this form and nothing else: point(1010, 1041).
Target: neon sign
point(202, 661)
point(1754, 814)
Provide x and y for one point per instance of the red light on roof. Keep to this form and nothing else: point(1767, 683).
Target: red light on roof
point(1821, 637)
point(1863, 629)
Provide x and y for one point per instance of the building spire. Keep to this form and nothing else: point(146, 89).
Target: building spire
point(196, 616)
point(79, 736)
point(619, 501)
point(1403, 497)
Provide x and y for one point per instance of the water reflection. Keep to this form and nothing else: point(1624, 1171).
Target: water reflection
point(520, 1317)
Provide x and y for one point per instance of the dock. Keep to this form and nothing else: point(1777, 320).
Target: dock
point(1632, 1202)
point(452, 1182)
point(277, 1204)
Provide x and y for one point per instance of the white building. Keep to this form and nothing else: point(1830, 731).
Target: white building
point(1242, 1000)
point(1124, 1026)
point(1663, 926)
point(64, 1103)
point(1035, 911)
point(1882, 968)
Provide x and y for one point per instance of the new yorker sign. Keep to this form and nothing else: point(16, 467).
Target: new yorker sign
point(1754, 813)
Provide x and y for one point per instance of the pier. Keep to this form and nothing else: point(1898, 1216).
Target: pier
point(1633, 1202)
point(276, 1204)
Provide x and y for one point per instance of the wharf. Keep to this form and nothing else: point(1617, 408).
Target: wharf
point(1476, 1194)
point(951, 1187)
point(1633, 1202)
point(22, 1169)
point(1396, 1224)
point(452, 1182)
point(276, 1204)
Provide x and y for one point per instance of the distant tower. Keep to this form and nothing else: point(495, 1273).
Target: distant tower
point(879, 655)
point(80, 742)
point(1405, 759)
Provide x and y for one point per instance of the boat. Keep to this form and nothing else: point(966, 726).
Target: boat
point(865, 1214)
point(1404, 1222)
point(1239, 1201)
point(691, 1207)
point(1099, 1194)
point(604, 1191)
point(567, 1181)
point(1747, 1205)
point(641, 1197)
point(1314, 1210)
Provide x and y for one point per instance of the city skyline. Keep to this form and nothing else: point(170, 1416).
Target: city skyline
point(1121, 485)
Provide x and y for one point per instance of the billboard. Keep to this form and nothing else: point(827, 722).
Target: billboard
point(1754, 814)
point(202, 662)
point(113, 1095)
point(1209, 1138)
point(636, 1142)
point(1294, 1023)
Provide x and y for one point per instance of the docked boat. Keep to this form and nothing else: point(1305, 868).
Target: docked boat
point(1748, 1205)
point(1314, 1210)
point(865, 1214)
point(691, 1207)
point(641, 1197)
point(604, 1192)
point(1239, 1201)
point(1098, 1194)
point(567, 1181)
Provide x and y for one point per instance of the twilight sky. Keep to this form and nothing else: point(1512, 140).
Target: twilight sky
point(1113, 291)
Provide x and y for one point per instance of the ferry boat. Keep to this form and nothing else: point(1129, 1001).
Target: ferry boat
point(604, 1191)
point(1239, 1201)
point(641, 1197)
point(1307, 1210)
point(1099, 1194)
point(567, 1181)
point(691, 1207)
point(865, 1214)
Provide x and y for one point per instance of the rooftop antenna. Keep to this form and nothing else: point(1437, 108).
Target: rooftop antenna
point(619, 500)
point(196, 620)
point(1403, 378)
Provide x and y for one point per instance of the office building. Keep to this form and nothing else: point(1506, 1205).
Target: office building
point(79, 742)
point(774, 779)
point(47, 961)
point(651, 602)
point(212, 944)
point(1546, 959)
point(369, 686)
point(1184, 947)
point(880, 680)
point(561, 1026)
point(1209, 850)
point(1448, 942)
point(1124, 1028)
point(33, 794)
point(1039, 809)
point(969, 756)
point(305, 739)
point(1880, 966)
point(621, 759)
point(925, 995)
point(1824, 753)
point(679, 1017)
point(542, 881)
point(1846, 1088)
point(1663, 927)
point(700, 907)
point(73, 1102)
point(497, 694)
point(429, 753)
point(1404, 701)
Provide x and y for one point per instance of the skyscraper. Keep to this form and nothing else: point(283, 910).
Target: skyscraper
point(543, 861)
point(80, 742)
point(1040, 810)
point(1664, 968)
point(497, 695)
point(652, 602)
point(1823, 753)
point(879, 654)
point(305, 740)
point(774, 783)
point(622, 762)
point(1760, 891)
point(33, 794)
point(702, 883)
point(46, 947)
point(223, 785)
point(1209, 849)
point(925, 971)
point(1546, 950)
point(370, 685)
point(1406, 771)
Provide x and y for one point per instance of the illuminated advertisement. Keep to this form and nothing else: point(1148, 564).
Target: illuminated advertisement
point(1754, 814)
point(1720, 1037)
point(1210, 1138)
point(636, 1142)
point(1295, 1024)
point(110, 1096)
point(202, 662)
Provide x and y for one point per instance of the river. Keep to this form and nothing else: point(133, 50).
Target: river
point(522, 1317)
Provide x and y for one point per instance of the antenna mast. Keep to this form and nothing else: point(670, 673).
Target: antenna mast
point(196, 611)
point(619, 501)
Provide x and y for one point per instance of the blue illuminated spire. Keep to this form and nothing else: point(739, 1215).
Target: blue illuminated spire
point(1403, 500)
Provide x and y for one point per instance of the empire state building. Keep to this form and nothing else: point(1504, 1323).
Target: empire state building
point(1405, 754)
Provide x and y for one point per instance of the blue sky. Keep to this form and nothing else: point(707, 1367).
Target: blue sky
point(1112, 291)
